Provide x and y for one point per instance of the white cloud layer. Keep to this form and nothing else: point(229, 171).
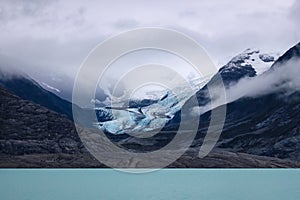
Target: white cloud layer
point(56, 36)
point(283, 79)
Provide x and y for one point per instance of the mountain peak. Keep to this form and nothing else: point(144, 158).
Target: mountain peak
point(255, 59)
point(249, 63)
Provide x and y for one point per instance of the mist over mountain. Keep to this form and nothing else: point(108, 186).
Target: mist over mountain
point(241, 80)
point(263, 119)
point(262, 111)
point(243, 67)
point(262, 122)
point(27, 88)
point(35, 137)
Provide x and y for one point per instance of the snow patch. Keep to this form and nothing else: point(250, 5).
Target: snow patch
point(260, 62)
point(46, 86)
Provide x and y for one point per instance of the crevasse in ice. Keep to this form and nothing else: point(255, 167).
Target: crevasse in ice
point(149, 117)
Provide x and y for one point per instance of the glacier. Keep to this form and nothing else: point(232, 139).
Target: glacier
point(152, 109)
point(125, 119)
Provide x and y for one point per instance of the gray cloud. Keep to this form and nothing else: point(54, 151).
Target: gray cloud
point(125, 24)
point(284, 79)
point(295, 14)
point(56, 36)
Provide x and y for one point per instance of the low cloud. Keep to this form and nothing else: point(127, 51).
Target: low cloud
point(283, 79)
point(51, 38)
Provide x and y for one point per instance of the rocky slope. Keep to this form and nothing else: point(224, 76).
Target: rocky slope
point(267, 124)
point(33, 136)
point(27, 128)
point(249, 63)
point(27, 88)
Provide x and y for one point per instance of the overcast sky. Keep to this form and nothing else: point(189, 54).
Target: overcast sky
point(43, 36)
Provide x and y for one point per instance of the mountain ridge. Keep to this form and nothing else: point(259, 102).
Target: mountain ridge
point(27, 88)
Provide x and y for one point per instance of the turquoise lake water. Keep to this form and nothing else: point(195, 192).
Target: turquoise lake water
point(108, 184)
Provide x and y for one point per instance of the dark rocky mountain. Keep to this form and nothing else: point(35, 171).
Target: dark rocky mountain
point(261, 131)
point(33, 136)
point(269, 126)
point(30, 130)
point(234, 70)
point(266, 125)
point(249, 63)
point(29, 89)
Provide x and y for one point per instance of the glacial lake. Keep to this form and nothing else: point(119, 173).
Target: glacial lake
point(109, 184)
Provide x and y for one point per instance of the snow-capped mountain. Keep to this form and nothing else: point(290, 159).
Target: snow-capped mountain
point(33, 136)
point(268, 123)
point(249, 63)
point(152, 113)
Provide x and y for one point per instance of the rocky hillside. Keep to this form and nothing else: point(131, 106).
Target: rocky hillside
point(267, 124)
point(28, 129)
point(33, 136)
point(27, 88)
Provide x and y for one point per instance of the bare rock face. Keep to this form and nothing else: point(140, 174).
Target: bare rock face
point(27, 128)
point(33, 136)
